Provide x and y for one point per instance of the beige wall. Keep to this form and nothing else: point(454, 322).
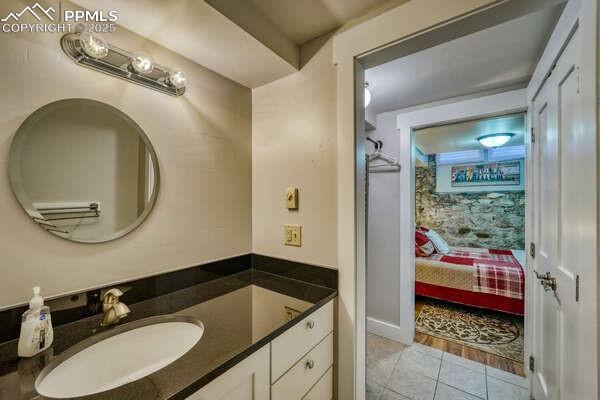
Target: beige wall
point(294, 144)
point(203, 143)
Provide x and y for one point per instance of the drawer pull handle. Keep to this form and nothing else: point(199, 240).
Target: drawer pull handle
point(310, 324)
point(310, 364)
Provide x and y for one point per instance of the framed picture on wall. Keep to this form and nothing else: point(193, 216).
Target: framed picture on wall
point(498, 173)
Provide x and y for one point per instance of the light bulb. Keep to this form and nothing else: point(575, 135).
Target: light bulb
point(93, 45)
point(367, 97)
point(495, 139)
point(142, 63)
point(177, 78)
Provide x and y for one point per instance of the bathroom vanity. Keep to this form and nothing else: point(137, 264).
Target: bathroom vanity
point(296, 365)
point(265, 336)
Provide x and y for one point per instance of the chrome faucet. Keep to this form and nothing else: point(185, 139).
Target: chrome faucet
point(113, 309)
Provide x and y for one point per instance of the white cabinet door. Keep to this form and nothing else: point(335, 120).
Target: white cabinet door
point(249, 380)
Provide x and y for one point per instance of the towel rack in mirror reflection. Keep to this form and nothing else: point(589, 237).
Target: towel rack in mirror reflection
point(70, 212)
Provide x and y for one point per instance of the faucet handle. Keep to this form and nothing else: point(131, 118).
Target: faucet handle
point(110, 298)
point(112, 295)
point(114, 291)
point(121, 310)
point(113, 309)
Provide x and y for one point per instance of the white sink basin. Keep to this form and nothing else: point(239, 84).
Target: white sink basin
point(117, 357)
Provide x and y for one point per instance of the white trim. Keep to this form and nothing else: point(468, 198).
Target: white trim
point(558, 39)
point(385, 329)
point(360, 291)
point(497, 104)
point(589, 92)
point(529, 219)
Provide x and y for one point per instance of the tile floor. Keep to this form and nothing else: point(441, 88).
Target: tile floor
point(418, 372)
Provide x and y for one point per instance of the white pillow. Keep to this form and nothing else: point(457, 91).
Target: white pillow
point(440, 244)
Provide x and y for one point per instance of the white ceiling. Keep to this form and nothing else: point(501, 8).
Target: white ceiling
point(501, 56)
point(304, 20)
point(223, 35)
point(197, 31)
point(463, 135)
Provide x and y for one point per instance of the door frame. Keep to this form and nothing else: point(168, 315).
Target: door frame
point(508, 102)
point(455, 112)
point(399, 31)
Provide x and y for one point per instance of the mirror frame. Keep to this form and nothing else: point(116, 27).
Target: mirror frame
point(14, 157)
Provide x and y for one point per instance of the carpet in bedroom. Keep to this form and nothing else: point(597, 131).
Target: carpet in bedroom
point(492, 332)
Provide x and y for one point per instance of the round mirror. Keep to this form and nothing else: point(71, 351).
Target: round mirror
point(83, 170)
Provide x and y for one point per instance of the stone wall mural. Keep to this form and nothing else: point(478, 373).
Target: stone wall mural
point(487, 219)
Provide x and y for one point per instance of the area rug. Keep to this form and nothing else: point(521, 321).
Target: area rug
point(489, 331)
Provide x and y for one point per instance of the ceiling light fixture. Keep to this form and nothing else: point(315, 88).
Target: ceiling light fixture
point(495, 139)
point(367, 94)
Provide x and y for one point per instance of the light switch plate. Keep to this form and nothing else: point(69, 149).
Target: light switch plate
point(291, 198)
point(292, 235)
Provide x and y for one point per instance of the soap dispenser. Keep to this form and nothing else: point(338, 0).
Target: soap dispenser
point(36, 327)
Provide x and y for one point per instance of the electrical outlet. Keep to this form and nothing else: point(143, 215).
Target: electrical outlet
point(292, 235)
point(291, 198)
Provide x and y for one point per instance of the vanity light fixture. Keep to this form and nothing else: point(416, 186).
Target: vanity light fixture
point(142, 63)
point(495, 139)
point(93, 45)
point(177, 78)
point(92, 51)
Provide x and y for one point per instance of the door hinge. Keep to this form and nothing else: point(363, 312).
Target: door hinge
point(531, 363)
point(577, 288)
point(532, 249)
point(532, 135)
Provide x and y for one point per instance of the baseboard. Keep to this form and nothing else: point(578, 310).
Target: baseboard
point(387, 330)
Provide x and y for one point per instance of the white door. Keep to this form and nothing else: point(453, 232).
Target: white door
point(559, 171)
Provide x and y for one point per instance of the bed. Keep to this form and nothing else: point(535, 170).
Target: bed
point(484, 278)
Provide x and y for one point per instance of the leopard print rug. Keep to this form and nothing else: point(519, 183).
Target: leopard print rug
point(489, 331)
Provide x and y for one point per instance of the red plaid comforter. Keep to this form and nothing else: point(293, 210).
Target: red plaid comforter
point(496, 271)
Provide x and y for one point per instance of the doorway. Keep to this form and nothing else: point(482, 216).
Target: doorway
point(470, 240)
point(445, 363)
point(390, 342)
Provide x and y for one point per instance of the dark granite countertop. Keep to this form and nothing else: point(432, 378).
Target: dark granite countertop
point(232, 333)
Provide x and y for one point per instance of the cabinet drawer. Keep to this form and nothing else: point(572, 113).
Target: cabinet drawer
point(323, 390)
point(287, 349)
point(305, 373)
